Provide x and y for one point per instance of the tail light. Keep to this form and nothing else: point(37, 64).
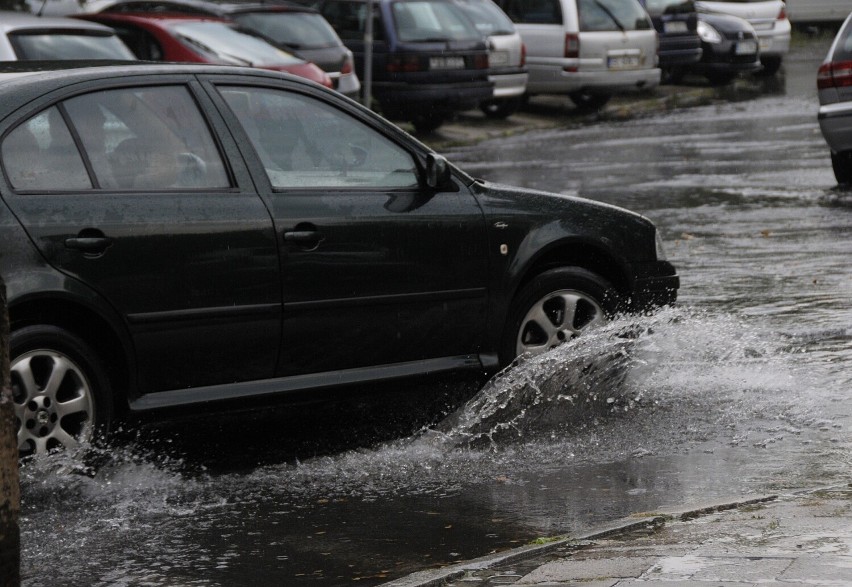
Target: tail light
point(404, 64)
point(572, 49)
point(783, 13)
point(480, 61)
point(834, 75)
point(346, 68)
point(523, 54)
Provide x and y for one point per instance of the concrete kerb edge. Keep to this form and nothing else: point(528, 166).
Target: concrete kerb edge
point(440, 577)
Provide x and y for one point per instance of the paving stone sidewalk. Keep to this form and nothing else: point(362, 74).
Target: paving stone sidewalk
point(802, 538)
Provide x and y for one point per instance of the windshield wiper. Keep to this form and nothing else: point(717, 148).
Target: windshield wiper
point(611, 15)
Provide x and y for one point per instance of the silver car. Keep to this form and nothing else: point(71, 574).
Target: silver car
point(769, 19)
point(506, 56)
point(26, 36)
point(834, 83)
point(588, 49)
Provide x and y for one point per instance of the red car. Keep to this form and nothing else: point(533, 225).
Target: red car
point(202, 39)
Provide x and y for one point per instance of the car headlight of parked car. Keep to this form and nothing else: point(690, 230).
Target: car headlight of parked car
point(708, 34)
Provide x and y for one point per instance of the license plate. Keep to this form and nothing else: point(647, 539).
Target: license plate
point(446, 63)
point(676, 26)
point(498, 58)
point(765, 44)
point(623, 62)
point(746, 48)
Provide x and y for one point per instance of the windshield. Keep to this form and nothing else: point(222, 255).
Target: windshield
point(296, 30)
point(69, 45)
point(660, 7)
point(227, 45)
point(432, 21)
point(487, 17)
point(612, 15)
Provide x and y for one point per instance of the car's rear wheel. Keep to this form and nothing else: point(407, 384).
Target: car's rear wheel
point(500, 109)
point(60, 390)
point(427, 121)
point(555, 307)
point(587, 102)
point(842, 165)
point(771, 64)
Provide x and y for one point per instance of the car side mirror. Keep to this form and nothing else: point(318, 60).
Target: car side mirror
point(437, 171)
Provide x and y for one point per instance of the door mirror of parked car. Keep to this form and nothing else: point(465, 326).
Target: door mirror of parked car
point(437, 171)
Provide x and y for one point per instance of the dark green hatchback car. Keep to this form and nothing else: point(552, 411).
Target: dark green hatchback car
point(175, 235)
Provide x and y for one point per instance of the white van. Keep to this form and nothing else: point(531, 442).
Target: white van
point(818, 11)
point(588, 49)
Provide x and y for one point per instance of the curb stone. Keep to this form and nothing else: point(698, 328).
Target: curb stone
point(619, 528)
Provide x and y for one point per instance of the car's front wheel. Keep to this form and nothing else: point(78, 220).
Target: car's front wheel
point(500, 109)
point(771, 65)
point(555, 307)
point(842, 165)
point(60, 390)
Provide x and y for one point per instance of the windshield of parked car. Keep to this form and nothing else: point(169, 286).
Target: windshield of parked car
point(487, 16)
point(432, 21)
point(69, 45)
point(227, 45)
point(612, 15)
point(660, 7)
point(294, 30)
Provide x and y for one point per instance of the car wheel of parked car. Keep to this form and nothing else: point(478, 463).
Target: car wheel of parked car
point(61, 393)
point(586, 101)
point(427, 122)
point(771, 65)
point(842, 165)
point(500, 109)
point(554, 307)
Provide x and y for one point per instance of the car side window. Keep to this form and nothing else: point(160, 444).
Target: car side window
point(533, 11)
point(349, 20)
point(40, 154)
point(305, 143)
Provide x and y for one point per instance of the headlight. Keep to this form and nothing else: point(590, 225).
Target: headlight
point(661, 253)
point(708, 34)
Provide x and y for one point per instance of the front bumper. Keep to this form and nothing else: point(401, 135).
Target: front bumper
point(509, 84)
point(657, 287)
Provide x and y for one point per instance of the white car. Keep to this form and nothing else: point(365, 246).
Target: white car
point(26, 36)
point(770, 22)
point(506, 56)
point(588, 49)
point(818, 11)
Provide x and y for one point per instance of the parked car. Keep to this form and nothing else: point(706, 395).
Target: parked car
point(834, 85)
point(201, 39)
point(730, 47)
point(676, 22)
point(26, 36)
point(299, 30)
point(769, 19)
point(810, 12)
point(506, 57)
point(428, 58)
point(181, 235)
point(587, 49)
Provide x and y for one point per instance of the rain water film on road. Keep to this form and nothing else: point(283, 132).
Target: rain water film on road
point(741, 389)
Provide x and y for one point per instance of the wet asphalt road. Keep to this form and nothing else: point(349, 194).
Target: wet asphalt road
point(742, 389)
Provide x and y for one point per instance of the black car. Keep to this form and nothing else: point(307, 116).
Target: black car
point(730, 47)
point(180, 235)
point(429, 60)
point(676, 22)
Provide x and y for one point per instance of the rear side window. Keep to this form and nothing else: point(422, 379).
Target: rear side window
point(533, 11)
point(304, 143)
point(348, 20)
point(612, 15)
point(69, 45)
point(151, 138)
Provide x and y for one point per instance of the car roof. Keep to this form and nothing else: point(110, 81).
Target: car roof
point(21, 21)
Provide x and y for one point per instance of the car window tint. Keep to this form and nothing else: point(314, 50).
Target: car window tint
point(147, 138)
point(40, 154)
point(348, 20)
point(612, 15)
point(69, 45)
point(305, 143)
point(431, 21)
point(533, 11)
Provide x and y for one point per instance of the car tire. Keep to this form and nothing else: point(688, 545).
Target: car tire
point(842, 165)
point(61, 392)
point(718, 79)
point(500, 109)
point(554, 307)
point(771, 65)
point(589, 102)
point(427, 122)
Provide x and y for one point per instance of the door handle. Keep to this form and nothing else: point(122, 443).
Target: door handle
point(90, 245)
point(305, 239)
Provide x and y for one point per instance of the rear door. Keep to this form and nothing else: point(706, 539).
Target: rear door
point(378, 270)
point(132, 191)
point(542, 25)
